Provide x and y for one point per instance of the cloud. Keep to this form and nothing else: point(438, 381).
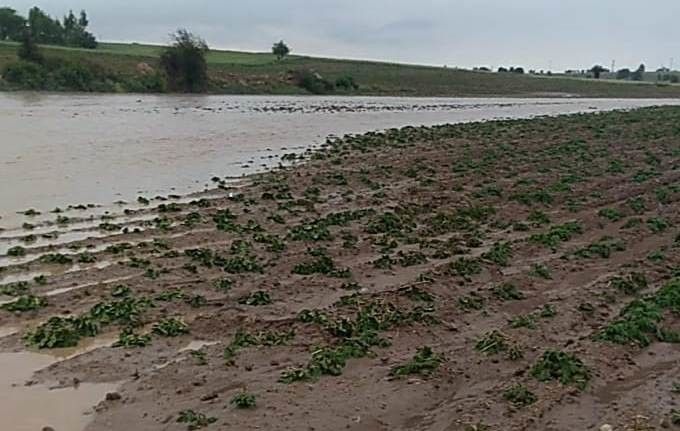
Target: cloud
point(531, 33)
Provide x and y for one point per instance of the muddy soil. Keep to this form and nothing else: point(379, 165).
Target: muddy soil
point(506, 275)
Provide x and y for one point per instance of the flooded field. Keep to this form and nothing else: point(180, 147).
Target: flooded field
point(126, 174)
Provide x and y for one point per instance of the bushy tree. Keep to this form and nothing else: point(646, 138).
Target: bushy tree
point(623, 74)
point(597, 71)
point(184, 63)
point(45, 29)
point(11, 24)
point(280, 50)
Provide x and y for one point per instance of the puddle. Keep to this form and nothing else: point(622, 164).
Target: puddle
point(30, 408)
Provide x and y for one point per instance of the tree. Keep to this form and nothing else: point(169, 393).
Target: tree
point(280, 50)
point(45, 29)
point(623, 74)
point(28, 50)
point(11, 24)
point(597, 70)
point(75, 31)
point(184, 63)
point(639, 74)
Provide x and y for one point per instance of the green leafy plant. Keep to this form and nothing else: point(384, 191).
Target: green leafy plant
point(170, 327)
point(425, 362)
point(519, 395)
point(195, 420)
point(563, 367)
point(244, 400)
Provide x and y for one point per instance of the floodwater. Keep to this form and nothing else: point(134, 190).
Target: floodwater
point(62, 149)
point(30, 407)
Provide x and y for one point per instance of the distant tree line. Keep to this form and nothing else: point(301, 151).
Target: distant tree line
point(70, 31)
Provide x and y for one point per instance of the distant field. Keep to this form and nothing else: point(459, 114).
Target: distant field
point(260, 73)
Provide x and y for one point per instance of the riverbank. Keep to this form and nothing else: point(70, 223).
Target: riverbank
point(133, 67)
point(446, 277)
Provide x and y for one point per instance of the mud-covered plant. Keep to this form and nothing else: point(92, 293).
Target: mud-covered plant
point(631, 284)
point(558, 234)
point(425, 362)
point(322, 264)
point(492, 343)
point(195, 420)
point(170, 327)
point(25, 303)
point(611, 214)
point(500, 254)
point(17, 251)
point(602, 248)
point(519, 395)
point(471, 302)
point(128, 338)
point(540, 271)
point(256, 298)
point(657, 224)
point(465, 267)
point(507, 292)
point(524, 321)
point(563, 367)
point(223, 284)
point(244, 400)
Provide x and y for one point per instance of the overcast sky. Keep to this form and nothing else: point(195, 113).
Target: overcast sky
point(537, 34)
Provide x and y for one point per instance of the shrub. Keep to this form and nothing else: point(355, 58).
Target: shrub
point(27, 75)
point(312, 82)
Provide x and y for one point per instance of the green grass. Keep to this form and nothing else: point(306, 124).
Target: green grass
point(237, 72)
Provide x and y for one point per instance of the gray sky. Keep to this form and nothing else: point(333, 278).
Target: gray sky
point(531, 33)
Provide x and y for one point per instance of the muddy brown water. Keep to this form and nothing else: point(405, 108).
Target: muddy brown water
point(60, 150)
point(63, 149)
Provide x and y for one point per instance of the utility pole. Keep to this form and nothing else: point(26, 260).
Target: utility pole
point(613, 66)
point(671, 64)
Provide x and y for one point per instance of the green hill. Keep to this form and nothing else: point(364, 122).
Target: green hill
point(260, 73)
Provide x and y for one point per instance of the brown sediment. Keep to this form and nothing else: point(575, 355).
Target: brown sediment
point(431, 223)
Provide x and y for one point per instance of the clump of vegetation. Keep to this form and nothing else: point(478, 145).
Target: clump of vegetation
point(630, 284)
point(558, 234)
point(184, 63)
point(16, 251)
point(602, 248)
point(500, 254)
point(62, 332)
point(322, 264)
point(170, 327)
point(259, 297)
point(519, 395)
point(195, 420)
point(465, 267)
point(26, 303)
point(425, 362)
point(128, 338)
point(507, 292)
point(610, 214)
point(540, 271)
point(244, 400)
point(563, 367)
point(641, 321)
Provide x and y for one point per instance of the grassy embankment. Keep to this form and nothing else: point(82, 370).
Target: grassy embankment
point(260, 73)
